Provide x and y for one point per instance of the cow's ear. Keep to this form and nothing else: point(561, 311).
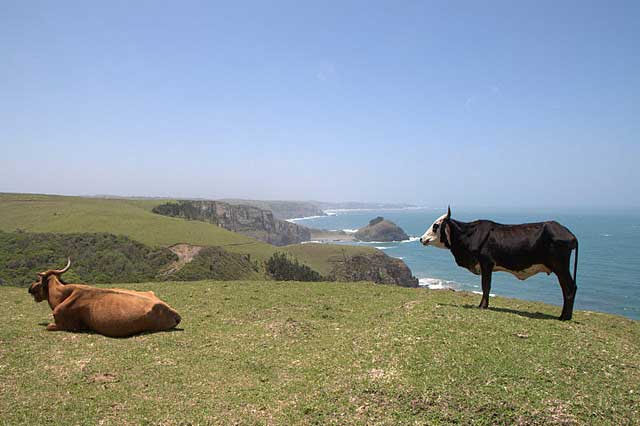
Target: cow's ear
point(447, 234)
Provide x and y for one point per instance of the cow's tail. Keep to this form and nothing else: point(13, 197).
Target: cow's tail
point(575, 266)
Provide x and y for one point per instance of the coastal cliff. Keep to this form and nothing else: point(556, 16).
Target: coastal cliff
point(247, 220)
point(353, 263)
point(282, 209)
point(376, 267)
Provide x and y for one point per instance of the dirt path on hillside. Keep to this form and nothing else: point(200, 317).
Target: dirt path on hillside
point(185, 253)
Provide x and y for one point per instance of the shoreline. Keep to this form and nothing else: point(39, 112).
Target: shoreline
point(335, 212)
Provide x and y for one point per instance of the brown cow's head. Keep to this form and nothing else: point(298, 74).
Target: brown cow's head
point(39, 289)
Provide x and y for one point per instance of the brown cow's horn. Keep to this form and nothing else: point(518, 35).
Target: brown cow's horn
point(63, 270)
point(449, 212)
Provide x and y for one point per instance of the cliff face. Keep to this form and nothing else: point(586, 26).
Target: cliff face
point(247, 220)
point(282, 209)
point(380, 229)
point(376, 267)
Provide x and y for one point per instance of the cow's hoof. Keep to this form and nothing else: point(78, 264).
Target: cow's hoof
point(564, 318)
point(52, 327)
point(483, 306)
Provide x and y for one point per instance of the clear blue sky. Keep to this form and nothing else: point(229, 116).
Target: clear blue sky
point(470, 103)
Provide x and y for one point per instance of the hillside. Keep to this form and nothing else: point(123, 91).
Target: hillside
point(135, 219)
point(97, 258)
point(323, 353)
point(107, 258)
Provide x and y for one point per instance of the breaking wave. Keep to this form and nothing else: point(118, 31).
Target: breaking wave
point(438, 284)
point(297, 219)
point(410, 240)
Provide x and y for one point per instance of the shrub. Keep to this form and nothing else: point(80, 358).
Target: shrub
point(283, 268)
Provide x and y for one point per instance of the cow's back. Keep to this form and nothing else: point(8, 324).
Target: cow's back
point(116, 313)
point(517, 247)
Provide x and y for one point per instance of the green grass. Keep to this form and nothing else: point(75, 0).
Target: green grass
point(321, 256)
point(323, 353)
point(133, 218)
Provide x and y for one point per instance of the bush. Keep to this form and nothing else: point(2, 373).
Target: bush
point(283, 268)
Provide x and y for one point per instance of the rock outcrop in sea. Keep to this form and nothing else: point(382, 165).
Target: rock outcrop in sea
point(380, 229)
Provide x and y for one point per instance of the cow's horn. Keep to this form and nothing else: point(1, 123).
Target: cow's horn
point(448, 212)
point(63, 270)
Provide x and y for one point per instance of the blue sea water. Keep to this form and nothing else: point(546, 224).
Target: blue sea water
point(608, 264)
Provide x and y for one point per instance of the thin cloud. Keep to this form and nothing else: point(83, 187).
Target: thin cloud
point(326, 71)
point(482, 96)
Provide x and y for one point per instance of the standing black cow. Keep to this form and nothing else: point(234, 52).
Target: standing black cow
point(523, 250)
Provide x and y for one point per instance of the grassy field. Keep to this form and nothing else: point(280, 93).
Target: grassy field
point(323, 353)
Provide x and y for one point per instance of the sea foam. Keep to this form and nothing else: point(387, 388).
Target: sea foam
point(297, 219)
point(438, 284)
point(410, 240)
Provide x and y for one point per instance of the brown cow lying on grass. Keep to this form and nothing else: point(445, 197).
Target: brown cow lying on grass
point(111, 312)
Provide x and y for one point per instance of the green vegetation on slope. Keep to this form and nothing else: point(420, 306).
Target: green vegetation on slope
point(97, 258)
point(284, 267)
point(108, 258)
point(218, 264)
point(50, 213)
point(323, 353)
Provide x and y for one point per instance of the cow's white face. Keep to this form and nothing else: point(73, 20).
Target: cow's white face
point(432, 236)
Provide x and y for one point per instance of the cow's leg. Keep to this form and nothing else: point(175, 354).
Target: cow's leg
point(64, 319)
point(487, 270)
point(569, 289)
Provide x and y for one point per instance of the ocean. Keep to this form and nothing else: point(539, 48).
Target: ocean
point(608, 262)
